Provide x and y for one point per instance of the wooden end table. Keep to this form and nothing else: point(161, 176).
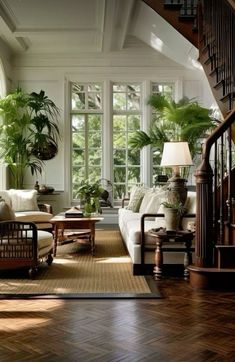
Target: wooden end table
point(60, 222)
point(168, 241)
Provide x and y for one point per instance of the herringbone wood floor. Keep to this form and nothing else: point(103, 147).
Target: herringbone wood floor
point(184, 326)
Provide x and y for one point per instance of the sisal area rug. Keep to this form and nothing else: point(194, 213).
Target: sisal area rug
point(74, 273)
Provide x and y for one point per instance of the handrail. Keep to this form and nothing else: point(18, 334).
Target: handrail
point(223, 127)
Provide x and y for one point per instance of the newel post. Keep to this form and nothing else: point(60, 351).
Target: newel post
point(204, 218)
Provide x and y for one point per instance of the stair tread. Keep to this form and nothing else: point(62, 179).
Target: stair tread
point(211, 270)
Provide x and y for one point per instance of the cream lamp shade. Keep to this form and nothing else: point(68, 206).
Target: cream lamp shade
point(176, 154)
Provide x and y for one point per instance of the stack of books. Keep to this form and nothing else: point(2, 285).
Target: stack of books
point(74, 212)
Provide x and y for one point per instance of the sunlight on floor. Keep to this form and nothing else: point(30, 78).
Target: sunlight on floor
point(25, 313)
point(123, 259)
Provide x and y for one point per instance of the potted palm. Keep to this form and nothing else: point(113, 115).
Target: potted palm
point(185, 120)
point(22, 129)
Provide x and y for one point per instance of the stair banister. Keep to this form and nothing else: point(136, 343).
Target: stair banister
point(205, 237)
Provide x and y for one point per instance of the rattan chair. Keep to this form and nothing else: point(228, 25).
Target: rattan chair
point(22, 245)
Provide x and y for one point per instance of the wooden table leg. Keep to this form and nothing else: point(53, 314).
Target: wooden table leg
point(92, 239)
point(187, 258)
point(55, 231)
point(158, 260)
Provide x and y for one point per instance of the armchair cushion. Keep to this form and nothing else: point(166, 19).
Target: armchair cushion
point(23, 200)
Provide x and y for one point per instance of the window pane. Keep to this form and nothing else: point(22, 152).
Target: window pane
point(119, 123)
point(78, 174)
point(94, 139)
point(133, 122)
point(119, 157)
point(119, 101)
point(95, 121)
point(133, 157)
point(78, 101)
point(77, 88)
point(133, 101)
point(119, 174)
point(94, 88)
point(94, 173)
point(78, 123)
point(119, 88)
point(133, 174)
point(133, 88)
point(95, 157)
point(94, 101)
point(78, 157)
point(119, 191)
point(119, 140)
point(79, 140)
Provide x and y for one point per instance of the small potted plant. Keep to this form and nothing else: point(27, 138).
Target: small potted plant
point(173, 213)
point(89, 194)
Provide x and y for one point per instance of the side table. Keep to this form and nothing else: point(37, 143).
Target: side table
point(172, 241)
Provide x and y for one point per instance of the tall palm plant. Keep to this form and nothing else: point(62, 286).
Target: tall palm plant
point(20, 133)
point(14, 137)
point(185, 120)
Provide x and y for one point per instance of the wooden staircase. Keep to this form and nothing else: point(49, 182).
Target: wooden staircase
point(210, 26)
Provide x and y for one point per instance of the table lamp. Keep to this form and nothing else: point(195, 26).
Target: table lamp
point(176, 155)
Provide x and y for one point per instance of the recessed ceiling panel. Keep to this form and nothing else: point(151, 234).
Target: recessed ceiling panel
point(54, 14)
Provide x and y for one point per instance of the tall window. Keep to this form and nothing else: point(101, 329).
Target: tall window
point(86, 126)
point(166, 89)
point(126, 120)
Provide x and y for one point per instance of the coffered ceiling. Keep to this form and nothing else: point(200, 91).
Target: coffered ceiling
point(75, 27)
point(64, 25)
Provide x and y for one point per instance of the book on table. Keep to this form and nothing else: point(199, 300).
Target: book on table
point(74, 212)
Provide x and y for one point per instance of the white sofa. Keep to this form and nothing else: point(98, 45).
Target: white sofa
point(134, 227)
point(26, 208)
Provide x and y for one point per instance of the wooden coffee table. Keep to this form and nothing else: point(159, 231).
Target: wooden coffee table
point(60, 222)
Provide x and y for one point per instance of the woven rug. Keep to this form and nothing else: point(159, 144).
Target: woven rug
point(74, 273)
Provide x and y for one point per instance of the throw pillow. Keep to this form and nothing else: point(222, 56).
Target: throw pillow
point(146, 200)
point(136, 197)
point(152, 202)
point(24, 200)
point(6, 212)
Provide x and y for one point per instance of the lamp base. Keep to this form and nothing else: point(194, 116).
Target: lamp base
point(177, 191)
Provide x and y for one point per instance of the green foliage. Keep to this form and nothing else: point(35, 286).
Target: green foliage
point(176, 206)
point(25, 124)
point(182, 121)
point(87, 190)
point(89, 194)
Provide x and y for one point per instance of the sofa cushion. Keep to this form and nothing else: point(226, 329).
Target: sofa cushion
point(146, 200)
point(152, 201)
point(23, 200)
point(136, 196)
point(6, 212)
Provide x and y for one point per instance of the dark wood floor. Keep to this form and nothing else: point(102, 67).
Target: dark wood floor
point(184, 326)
